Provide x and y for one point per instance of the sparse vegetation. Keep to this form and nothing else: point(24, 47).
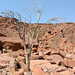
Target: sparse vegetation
point(10, 34)
point(20, 50)
point(62, 65)
point(14, 55)
point(55, 42)
point(9, 51)
point(41, 33)
point(20, 59)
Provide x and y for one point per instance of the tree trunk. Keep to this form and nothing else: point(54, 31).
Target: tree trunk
point(27, 62)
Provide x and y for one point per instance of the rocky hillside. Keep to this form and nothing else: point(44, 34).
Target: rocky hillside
point(55, 55)
point(56, 37)
point(60, 37)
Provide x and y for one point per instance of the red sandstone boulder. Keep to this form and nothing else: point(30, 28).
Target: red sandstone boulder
point(37, 65)
point(54, 59)
point(38, 71)
point(69, 63)
point(34, 49)
point(13, 46)
point(71, 56)
point(64, 72)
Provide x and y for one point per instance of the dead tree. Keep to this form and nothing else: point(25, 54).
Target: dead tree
point(28, 35)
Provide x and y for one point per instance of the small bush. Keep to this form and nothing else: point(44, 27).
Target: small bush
point(20, 59)
point(13, 55)
point(9, 51)
point(20, 50)
point(41, 33)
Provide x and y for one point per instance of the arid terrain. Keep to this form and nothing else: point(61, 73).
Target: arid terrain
point(55, 55)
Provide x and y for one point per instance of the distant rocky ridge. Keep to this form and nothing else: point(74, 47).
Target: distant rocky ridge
point(56, 37)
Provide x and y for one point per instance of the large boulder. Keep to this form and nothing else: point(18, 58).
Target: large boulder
point(37, 65)
point(54, 59)
point(70, 56)
point(41, 67)
point(4, 63)
point(13, 46)
point(4, 58)
point(15, 43)
point(69, 63)
point(38, 71)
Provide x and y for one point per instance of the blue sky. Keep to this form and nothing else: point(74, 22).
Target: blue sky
point(51, 8)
